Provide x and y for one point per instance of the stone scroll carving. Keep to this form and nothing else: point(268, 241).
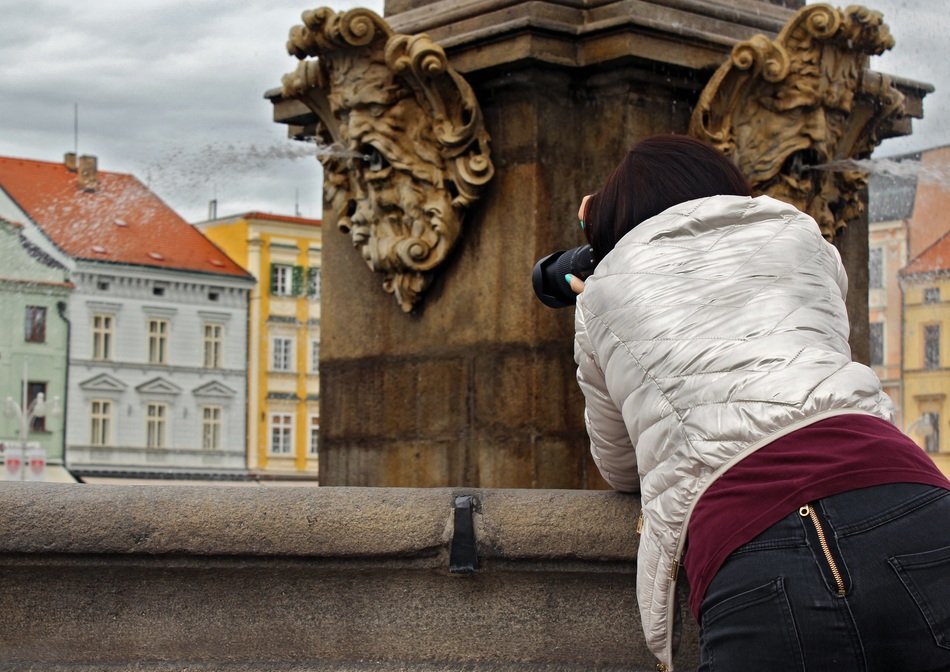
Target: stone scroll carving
point(795, 112)
point(401, 139)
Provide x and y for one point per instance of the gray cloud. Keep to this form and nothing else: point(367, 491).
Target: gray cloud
point(172, 92)
point(920, 30)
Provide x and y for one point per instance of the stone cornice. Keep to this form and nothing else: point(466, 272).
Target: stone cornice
point(486, 35)
point(167, 369)
point(478, 34)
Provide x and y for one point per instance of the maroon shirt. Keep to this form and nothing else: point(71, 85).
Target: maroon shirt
point(842, 453)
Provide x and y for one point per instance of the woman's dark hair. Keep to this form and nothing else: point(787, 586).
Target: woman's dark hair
point(659, 172)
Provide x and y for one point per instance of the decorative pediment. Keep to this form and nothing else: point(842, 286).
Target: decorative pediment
point(403, 145)
point(794, 113)
point(158, 386)
point(214, 388)
point(103, 383)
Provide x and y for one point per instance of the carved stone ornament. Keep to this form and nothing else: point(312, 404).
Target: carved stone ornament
point(794, 113)
point(400, 137)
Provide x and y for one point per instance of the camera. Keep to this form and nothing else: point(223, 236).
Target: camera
point(548, 275)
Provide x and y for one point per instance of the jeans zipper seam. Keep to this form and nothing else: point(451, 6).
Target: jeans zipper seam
point(808, 511)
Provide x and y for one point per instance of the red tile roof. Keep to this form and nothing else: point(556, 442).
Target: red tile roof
point(933, 259)
point(121, 221)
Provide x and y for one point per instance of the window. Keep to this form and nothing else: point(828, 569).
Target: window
point(932, 295)
point(33, 391)
point(932, 437)
point(282, 354)
point(35, 324)
point(281, 433)
point(101, 423)
point(315, 355)
point(281, 280)
point(876, 268)
point(212, 340)
point(313, 283)
point(877, 343)
point(314, 445)
point(932, 346)
point(157, 341)
point(155, 425)
point(102, 337)
point(211, 427)
point(158, 291)
point(286, 280)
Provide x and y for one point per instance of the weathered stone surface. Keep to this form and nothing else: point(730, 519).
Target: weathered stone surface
point(481, 379)
point(477, 387)
point(175, 578)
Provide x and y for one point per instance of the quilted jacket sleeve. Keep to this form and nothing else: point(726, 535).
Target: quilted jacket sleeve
point(841, 276)
point(610, 443)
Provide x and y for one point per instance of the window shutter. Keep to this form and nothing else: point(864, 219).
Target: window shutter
point(273, 279)
point(298, 281)
point(311, 278)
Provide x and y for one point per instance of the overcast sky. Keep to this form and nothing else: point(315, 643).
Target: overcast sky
point(172, 92)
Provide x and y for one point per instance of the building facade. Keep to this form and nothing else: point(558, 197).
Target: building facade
point(890, 206)
point(926, 288)
point(158, 326)
point(283, 253)
point(34, 290)
point(909, 258)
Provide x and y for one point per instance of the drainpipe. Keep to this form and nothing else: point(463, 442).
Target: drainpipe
point(61, 309)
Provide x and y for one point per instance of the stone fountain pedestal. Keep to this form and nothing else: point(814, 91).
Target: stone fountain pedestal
point(476, 387)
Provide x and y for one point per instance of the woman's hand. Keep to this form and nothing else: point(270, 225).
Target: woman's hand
point(582, 209)
point(577, 285)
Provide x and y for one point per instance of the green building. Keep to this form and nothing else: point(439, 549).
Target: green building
point(34, 335)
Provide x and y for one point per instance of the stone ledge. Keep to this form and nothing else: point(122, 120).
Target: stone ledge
point(350, 579)
point(326, 522)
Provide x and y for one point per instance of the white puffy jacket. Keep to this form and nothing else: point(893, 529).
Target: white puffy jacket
point(708, 332)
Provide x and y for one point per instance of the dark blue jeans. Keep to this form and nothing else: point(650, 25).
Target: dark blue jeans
point(871, 592)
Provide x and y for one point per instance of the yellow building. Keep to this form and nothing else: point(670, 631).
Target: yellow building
point(887, 243)
point(283, 253)
point(925, 284)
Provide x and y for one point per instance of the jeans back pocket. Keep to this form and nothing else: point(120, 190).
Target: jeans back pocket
point(926, 576)
point(751, 630)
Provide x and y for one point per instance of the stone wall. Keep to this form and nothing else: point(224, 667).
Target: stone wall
point(218, 578)
point(477, 387)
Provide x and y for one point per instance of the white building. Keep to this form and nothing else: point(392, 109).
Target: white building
point(157, 382)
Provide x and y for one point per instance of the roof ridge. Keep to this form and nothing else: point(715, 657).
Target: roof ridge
point(925, 252)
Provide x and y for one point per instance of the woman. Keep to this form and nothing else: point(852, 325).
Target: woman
point(712, 350)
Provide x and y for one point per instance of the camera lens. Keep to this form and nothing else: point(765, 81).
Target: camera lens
point(550, 286)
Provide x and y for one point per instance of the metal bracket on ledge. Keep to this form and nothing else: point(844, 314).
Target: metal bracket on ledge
point(463, 555)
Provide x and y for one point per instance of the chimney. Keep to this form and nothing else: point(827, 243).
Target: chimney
point(88, 181)
point(70, 160)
